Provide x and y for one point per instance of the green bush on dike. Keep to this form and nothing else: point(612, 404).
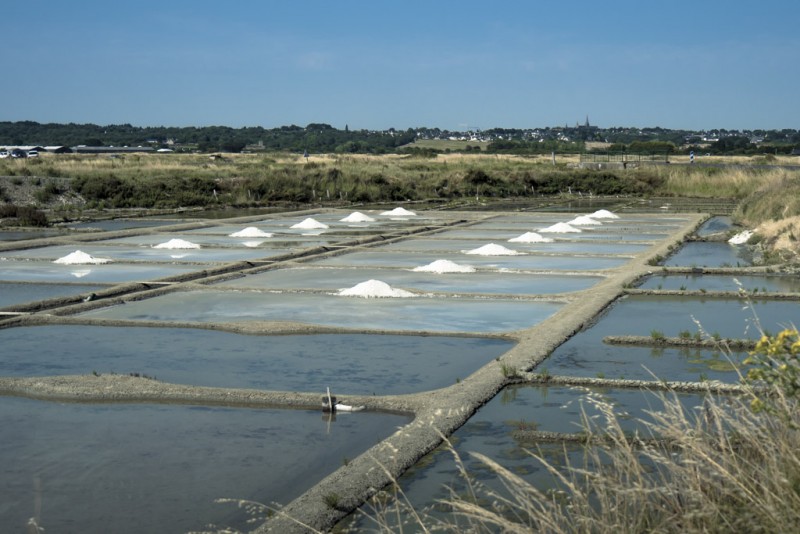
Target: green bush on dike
point(23, 215)
point(775, 362)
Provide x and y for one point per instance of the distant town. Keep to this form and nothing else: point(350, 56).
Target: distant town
point(28, 136)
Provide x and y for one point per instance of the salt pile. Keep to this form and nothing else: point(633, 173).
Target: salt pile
point(561, 228)
point(80, 258)
point(374, 289)
point(357, 217)
point(493, 250)
point(741, 238)
point(444, 266)
point(531, 237)
point(252, 244)
point(310, 224)
point(603, 214)
point(584, 220)
point(250, 231)
point(177, 244)
point(398, 212)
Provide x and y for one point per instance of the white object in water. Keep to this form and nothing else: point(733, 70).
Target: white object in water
point(603, 214)
point(493, 250)
point(374, 289)
point(399, 212)
point(444, 266)
point(357, 217)
point(584, 220)
point(251, 231)
point(741, 238)
point(80, 258)
point(561, 228)
point(531, 237)
point(177, 244)
point(310, 224)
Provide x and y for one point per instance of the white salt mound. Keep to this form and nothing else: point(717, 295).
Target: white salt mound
point(398, 212)
point(177, 244)
point(741, 238)
point(584, 220)
point(374, 289)
point(80, 258)
point(561, 228)
point(357, 217)
point(251, 231)
point(252, 244)
point(493, 250)
point(603, 214)
point(531, 237)
point(444, 266)
point(310, 224)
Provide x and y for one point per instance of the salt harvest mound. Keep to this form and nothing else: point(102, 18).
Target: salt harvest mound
point(444, 266)
point(251, 231)
point(374, 289)
point(531, 237)
point(741, 238)
point(80, 258)
point(584, 220)
point(310, 224)
point(493, 250)
point(252, 244)
point(399, 212)
point(561, 228)
point(177, 244)
point(357, 217)
point(603, 214)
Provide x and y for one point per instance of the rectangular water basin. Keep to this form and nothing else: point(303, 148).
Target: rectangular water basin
point(16, 293)
point(284, 242)
point(471, 315)
point(146, 253)
point(752, 284)
point(112, 462)
point(333, 279)
point(710, 254)
point(527, 262)
point(348, 363)
point(440, 244)
point(109, 273)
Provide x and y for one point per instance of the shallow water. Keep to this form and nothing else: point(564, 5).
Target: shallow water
point(490, 432)
point(715, 225)
point(110, 273)
point(697, 282)
point(11, 294)
point(20, 235)
point(158, 468)
point(333, 279)
point(710, 254)
point(122, 224)
point(141, 253)
point(351, 363)
point(393, 314)
point(521, 262)
point(557, 247)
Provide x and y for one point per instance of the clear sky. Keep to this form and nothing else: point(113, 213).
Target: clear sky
point(457, 65)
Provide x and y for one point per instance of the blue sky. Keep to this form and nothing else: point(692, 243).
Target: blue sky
point(699, 64)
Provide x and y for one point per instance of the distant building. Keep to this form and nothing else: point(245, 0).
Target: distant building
point(83, 149)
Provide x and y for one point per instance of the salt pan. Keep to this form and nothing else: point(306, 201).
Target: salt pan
point(398, 212)
point(531, 237)
point(493, 250)
point(80, 258)
point(177, 244)
point(603, 214)
point(584, 220)
point(444, 266)
point(357, 217)
point(374, 289)
point(741, 238)
point(310, 224)
point(561, 228)
point(251, 231)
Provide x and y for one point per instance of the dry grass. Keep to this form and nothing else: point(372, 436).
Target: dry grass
point(723, 469)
